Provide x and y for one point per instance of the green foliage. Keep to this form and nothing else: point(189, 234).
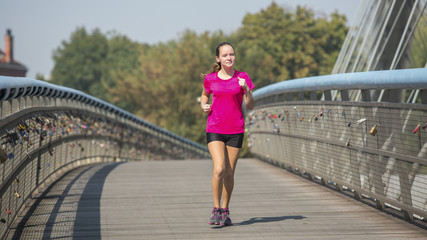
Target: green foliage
point(278, 45)
point(161, 83)
point(80, 63)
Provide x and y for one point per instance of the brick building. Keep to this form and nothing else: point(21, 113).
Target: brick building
point(8, 65)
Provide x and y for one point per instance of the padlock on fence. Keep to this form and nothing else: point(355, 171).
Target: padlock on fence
point(373, 130)
point(17, 194)
point(417, 129)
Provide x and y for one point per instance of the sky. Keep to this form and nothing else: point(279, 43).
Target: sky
point(39, 27)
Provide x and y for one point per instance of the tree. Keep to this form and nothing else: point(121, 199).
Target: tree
point(277, 45)
point(122, 60)
point(79, 64)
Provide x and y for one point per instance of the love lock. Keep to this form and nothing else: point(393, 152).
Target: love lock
point(40, 121)
point(25, 136)
point(31, 126)
point(12, 137)
point(276, 128)
point(17, 194)
point(360, 121)
point(417, 129)
point(22, 126)
point(373, 131)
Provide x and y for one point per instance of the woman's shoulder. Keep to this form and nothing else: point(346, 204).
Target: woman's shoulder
point(211, 76)
point(241, 74)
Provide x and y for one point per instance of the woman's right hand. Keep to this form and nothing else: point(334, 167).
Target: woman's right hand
point(206, 108)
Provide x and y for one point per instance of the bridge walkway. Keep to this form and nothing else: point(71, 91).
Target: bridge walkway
point(173, 200)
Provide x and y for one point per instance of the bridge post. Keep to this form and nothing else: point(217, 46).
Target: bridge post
point(328, 95)
point(423, 96)
point(344, 95)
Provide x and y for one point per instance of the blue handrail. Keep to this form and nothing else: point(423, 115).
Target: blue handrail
point(387, 79)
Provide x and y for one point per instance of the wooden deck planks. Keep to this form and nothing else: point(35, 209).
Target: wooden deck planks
point(173, 200)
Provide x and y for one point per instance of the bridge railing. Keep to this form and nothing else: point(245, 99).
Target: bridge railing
point(47, 129)
point(362, 132)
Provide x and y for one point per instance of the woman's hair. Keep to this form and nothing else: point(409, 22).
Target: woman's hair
point(217, 66)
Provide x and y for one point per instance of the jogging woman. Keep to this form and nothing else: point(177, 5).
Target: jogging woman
point(225, 125)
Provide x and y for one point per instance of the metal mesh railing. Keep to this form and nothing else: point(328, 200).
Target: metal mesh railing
point(376, 149)
point(46, 130)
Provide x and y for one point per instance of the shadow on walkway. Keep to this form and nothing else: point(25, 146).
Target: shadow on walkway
point(268, 219)
point(88, 218)
point(92, 191)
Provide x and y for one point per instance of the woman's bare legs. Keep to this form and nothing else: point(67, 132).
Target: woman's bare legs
point(224, 161)
point(230, 166)
point(217, 150)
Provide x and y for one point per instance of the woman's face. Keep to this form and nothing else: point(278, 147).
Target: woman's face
point(226, 56)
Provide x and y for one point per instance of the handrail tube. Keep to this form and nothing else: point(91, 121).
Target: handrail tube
point(387, 79)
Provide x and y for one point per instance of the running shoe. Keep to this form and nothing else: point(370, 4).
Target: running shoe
point(225, 220)
point(216, 214)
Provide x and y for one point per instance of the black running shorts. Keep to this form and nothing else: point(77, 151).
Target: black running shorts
point(232, 140)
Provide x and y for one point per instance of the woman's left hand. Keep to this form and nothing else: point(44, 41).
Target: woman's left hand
point(242, 83)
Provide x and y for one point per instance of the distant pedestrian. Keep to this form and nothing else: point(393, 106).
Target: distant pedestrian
point(225, 125)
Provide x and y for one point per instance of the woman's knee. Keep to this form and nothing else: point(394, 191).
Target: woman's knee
point(219, 172)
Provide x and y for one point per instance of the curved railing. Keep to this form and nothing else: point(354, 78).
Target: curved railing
point(375, 147)
point(47, 129)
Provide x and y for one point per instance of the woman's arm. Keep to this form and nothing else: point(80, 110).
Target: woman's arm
point(249, 99)
point(204, 98)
